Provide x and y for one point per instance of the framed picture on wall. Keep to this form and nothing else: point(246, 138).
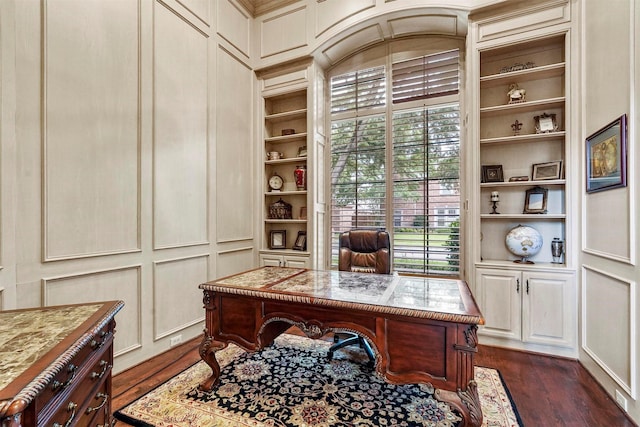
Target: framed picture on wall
point(606, 156)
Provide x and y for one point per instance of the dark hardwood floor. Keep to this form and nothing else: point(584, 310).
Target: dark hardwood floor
point(547, 391)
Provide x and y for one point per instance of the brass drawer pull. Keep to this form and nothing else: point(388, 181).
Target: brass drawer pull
point(95, 344)
point(58, 386)
point(71, 408)
point(104, 397)
point(97, 375)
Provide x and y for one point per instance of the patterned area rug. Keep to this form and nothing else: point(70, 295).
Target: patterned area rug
point(291, 383)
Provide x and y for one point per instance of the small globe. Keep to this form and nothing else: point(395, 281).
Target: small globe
point(524, 241)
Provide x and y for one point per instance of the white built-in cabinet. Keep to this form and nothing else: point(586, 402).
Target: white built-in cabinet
point(292, 216)
point(520, 144)
point(283, 260)
point(530, 306)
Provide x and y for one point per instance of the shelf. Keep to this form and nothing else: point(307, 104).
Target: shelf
point(285, 252)
point(285, 221)
point(523, 183)
point(536, 73)
point(286, 115)
point(286, 138)
point(507, 264)
point(533, 137)
point(283, 161)
point(528, 217)
point(286, 193)
point(523, 106)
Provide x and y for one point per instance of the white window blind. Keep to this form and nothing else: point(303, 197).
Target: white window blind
point(424, 145)
point(426, 160)
point(358, 178)
point(426, 77)
point(358, 90)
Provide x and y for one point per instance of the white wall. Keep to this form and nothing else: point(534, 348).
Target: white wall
point(126, 159)
point(609, 238)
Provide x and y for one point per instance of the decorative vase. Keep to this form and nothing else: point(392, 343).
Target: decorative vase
point(300, 175)
point(557, 249)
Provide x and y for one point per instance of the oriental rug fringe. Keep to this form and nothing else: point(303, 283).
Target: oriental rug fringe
point(291, 383)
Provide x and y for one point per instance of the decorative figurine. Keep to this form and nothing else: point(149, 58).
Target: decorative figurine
point(516, 94)
point(516, 126)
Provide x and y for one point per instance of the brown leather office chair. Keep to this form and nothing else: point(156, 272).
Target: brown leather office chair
point(362, 251)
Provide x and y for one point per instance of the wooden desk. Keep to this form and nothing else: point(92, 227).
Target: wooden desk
point(422, 330)
point(55, 365)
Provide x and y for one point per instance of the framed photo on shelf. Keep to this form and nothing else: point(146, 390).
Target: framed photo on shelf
point(548, 170)
point(606, 157)
point(546, 123)
point(278, 239)
point(535, 201)
point(492, 173)
point(301, 241)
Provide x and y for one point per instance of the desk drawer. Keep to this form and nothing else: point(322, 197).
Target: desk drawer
point(77, 410)
point(70, 374)
point(89, 389)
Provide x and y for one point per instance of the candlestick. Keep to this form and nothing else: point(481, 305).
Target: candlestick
point(495, 198)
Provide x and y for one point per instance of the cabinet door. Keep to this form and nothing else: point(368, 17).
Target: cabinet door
point(498, 295)
point(548, 309)
point(270, 260)
point(296, 261)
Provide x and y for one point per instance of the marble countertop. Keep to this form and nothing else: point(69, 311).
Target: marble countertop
point(26, 336)
point(37, 343)
point(424, 297)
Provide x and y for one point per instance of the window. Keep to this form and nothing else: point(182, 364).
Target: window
point(396, 165)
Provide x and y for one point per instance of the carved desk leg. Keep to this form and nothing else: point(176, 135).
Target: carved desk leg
point(466, 399)
point(208, 349)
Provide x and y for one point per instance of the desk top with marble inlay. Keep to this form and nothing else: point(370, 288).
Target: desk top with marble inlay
point(35, 343)
point(421, 297)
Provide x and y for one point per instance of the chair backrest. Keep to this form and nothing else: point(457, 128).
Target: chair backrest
point(365, 251)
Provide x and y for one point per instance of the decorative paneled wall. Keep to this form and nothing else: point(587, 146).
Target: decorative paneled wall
point(90, 128)
point(168, 277)
point(235, 150)
point(331, 12)
point(617, 352)
point(180, 137)
point(103, 285)
point(283, 32)
point(610, 244)
point(234, 25)
point(132, 174)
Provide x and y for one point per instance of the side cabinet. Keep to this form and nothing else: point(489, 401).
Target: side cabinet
point(527, 306)
point(277, 260)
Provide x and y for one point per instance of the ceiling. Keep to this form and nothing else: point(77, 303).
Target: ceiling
point(260, 7)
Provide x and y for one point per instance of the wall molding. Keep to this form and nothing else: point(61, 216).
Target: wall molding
point(222, 20)
point(159, 335)
point(628, 384)
point(46, 282)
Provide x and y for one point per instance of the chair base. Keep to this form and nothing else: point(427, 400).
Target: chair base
point(351, 339)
